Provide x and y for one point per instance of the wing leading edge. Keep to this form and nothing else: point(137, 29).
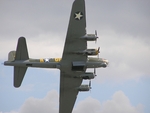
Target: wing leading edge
point(69, 83)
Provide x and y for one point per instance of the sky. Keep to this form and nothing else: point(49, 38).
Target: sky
point(123, 28)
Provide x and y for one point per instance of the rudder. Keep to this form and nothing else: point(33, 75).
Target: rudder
point(11, 55)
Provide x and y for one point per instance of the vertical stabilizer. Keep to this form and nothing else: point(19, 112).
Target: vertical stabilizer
point(11, 55)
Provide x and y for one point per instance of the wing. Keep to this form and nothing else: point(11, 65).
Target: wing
point(76, 29)
point(71, 63)
point(68, 92)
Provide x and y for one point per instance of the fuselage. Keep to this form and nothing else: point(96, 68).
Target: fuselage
point(55, 63)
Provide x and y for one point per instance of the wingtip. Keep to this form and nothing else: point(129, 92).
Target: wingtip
point(22, 37)
point(16, 85)
point(79, 0)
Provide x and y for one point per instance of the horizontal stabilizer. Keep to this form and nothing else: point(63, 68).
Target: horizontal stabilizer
point(21, 51)
point(21, 54)
point(19, 73)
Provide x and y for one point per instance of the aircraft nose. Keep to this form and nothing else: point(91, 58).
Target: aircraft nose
point(107, 62)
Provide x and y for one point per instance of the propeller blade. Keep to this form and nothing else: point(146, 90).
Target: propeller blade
point(95, 32)
point(96, 36)
point(90, 83)
point(98, 49)
point(95, 72)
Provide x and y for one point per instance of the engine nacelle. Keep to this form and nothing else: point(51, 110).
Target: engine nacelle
point(84, 88)
point(88, 52)
point(91, 51)
point(88, 76)
point(90, 37)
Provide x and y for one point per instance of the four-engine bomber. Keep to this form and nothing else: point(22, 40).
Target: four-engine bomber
point(73, 65)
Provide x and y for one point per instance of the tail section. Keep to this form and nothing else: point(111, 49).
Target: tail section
point(11, 56)
point(16, 59)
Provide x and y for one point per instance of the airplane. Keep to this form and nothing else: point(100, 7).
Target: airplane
point(73, 64)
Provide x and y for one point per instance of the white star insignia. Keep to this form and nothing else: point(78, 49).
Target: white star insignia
point(78, 15)
point(46, 60)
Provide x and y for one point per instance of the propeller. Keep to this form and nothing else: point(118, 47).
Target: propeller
point(90, 85)
point(98, 51)
point(95, 32)
point(95, 72)
point(96, 36)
